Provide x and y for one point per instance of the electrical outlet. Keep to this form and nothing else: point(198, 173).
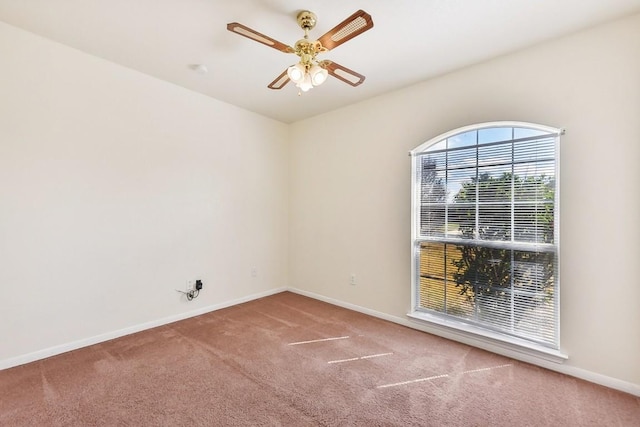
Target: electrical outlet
point(352, 279)
point(191, 285)
point(254, 272)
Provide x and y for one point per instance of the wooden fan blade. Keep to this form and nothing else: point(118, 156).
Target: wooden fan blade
point(340, 72)
point(354, 25)
point(280, 81)
point(259, 37)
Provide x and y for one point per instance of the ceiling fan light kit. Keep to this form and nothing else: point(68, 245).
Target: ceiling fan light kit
point(309, 71)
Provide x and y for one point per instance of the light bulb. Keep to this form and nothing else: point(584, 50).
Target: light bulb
point(306, 84)
point(296, 73)
point(318, 75)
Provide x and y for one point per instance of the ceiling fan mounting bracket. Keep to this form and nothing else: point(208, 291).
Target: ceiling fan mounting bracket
point(307, 20)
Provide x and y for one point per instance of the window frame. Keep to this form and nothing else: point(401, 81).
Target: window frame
point(447, 324)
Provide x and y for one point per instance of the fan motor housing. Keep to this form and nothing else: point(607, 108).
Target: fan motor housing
point(309, 47)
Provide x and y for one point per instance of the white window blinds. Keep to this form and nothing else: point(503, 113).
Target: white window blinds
point(485, 229)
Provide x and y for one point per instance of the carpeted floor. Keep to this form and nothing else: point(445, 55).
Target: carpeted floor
point(288, 360)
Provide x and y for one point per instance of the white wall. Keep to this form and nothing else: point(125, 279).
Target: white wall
point(350, 185)
point(116, 188)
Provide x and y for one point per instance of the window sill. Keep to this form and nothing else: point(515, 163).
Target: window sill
point(487, 340)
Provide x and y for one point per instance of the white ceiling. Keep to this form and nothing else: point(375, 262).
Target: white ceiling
point(411, 41)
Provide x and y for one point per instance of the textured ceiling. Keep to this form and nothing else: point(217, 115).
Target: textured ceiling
point(412, 40)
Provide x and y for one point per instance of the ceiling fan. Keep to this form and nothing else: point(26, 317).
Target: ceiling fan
point(310, 71)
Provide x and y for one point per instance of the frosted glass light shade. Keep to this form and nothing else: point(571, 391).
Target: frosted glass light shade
point(296, 73)
point(306, 84)
point(318, 75)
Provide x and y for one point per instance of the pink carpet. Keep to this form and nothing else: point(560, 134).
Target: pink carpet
point(288, 360)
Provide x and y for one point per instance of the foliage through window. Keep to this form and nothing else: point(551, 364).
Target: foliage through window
point(485, 232)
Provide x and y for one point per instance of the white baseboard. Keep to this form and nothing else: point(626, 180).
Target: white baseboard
point(63, 348)
point(567, 369)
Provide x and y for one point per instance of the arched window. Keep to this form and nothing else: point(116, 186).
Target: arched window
point(485, 231)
